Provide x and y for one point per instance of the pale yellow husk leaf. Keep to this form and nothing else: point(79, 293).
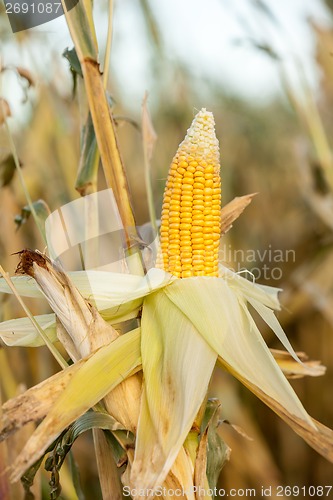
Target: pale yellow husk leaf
point(118, 298)
point(179, 480)
point(177, 364)
point(21, 331)
point(263, 298)
point(229, 329)
point(103, 289)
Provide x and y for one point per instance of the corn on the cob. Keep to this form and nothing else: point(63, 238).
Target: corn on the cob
point(191, 211)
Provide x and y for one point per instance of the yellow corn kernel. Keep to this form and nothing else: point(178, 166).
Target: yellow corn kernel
point(185, 257)
point(186, 274)
point(190, 221)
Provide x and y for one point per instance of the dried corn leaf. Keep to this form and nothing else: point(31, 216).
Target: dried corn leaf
point(233, 210)
point(317, 435)
point(98, 375)
point(36, 402)
point(293, 369)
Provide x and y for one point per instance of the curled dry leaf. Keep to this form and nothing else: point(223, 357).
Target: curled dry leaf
point(82, 322)
point(292, 369)
point(233, 210)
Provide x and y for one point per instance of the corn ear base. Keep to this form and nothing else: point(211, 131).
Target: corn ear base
point(180, 478)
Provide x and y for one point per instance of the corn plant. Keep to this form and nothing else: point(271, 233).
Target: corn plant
point(142, 339)
point(194, 314)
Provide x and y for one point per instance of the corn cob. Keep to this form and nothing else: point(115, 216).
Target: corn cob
point(191, 210)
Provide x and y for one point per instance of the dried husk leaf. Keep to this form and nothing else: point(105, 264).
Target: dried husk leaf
point(317, 435)
point(107, 469)
point(36, 402)
point(82, 321)
point(292, 369)
point(232, 210)
point(99, 375)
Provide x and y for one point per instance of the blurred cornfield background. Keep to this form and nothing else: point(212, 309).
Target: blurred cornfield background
point(279, 147)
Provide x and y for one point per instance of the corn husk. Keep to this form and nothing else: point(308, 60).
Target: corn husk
point(177, 359)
